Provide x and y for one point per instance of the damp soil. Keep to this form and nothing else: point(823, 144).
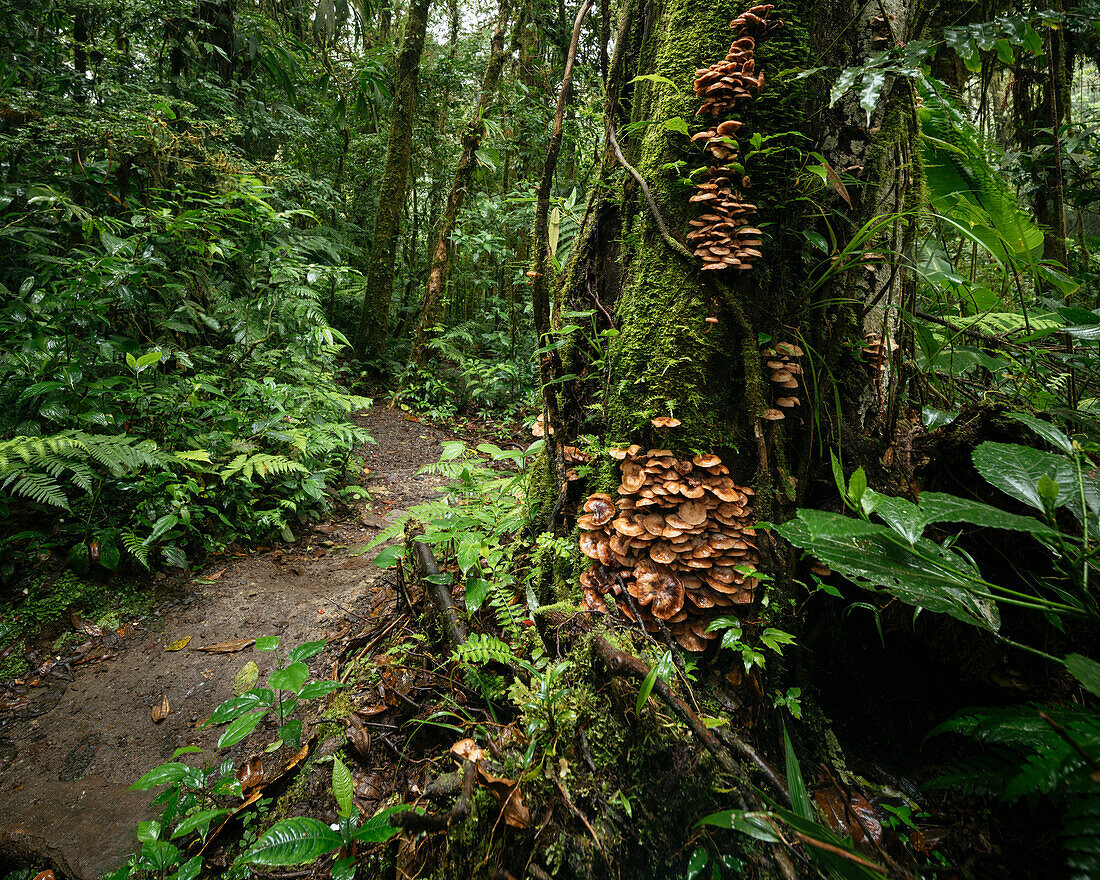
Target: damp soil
point(71, 746)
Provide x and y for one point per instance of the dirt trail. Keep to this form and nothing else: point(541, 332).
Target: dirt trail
point(68, 757)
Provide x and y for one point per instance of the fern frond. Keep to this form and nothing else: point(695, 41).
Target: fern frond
point(136, 547)
point(40, 488)
point(480, 649)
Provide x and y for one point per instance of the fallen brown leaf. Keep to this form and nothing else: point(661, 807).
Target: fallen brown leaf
point(358, 735)
point(44, 875)
point(250, 774)
point(84, 626)
point(161, 710)
point(227, 647)
point(467, 750)
point(371, 711)
point(126, 631)
point(507, 793)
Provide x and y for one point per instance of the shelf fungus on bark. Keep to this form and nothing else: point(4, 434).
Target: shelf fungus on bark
point(880, 33)
point(723, 237)
point(538, 429)
point(878, 350)
point(679, 538)
point(783, 367)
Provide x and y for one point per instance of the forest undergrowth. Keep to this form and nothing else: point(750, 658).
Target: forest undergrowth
point(771, 554)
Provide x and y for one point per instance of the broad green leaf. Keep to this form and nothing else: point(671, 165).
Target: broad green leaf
point(160, 854)
point(199, 821)
point(1086, 671)
point(292, 842)
point(316, 689)
point(378, 828)
point(1016, 471)
point(306, 650)
point(753, 824)
point(239, 729)
point(173, 771)
point(189, 870)
point(237, 706)
point(389, 556)
point(873, 556)
point(344, 869)
point(342, 786)
point(1047, 431)
point(289, 679)
point(477, 590)
point(646, 689)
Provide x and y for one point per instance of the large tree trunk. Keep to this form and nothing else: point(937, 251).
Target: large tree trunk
point(460, 186)
point(375, 315)
point(690, 342)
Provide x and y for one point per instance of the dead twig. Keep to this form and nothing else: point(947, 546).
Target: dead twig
point(576, 812)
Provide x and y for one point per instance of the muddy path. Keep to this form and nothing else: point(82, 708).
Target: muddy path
point(81, 737)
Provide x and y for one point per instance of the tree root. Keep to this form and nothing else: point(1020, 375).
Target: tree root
point(412, 821)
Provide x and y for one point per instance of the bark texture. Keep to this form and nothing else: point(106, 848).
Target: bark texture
point(375, 314)
point(667, 358)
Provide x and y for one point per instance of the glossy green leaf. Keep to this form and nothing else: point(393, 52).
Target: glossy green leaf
point(291, 678)
point(876, 557)
point(342, 786)
point(316, 689)
point(199, 822)
point(239, 729)
point(1086, 671)
point(1046, 430)
point(378, 828)
point(292, 842)
point(306, 650)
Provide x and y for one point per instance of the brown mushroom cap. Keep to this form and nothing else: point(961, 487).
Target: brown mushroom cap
point(600, 508)
point(706, 461)
point(628, 526)
point(774, 415)
point(661, 590)
point(592, 602)
point(692, 512)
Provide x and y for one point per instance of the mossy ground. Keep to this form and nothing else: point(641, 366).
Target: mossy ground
point(42, 608)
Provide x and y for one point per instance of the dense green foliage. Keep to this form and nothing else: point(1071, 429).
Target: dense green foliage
point(186, 201)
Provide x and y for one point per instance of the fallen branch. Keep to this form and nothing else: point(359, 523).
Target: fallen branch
point(627, 665)
point(453, 627)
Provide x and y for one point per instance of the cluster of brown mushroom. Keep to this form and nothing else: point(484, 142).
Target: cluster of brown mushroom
point(723, 237)
point(878, 350)
point(880, 32)
point(781, 362)
point(679, 540)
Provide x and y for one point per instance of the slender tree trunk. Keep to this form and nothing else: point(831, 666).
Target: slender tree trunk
point(375, 315)
point(442, 253)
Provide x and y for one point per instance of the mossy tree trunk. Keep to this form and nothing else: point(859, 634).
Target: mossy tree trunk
point(442, 252)
point(375, 314)
point(667, 358)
